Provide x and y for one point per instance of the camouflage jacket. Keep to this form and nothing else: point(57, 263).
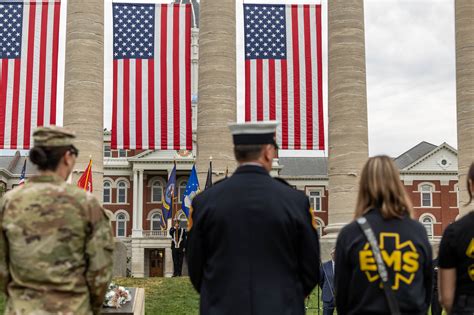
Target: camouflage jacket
point(56, 249)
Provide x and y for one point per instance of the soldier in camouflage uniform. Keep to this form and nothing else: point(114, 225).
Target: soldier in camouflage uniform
point(56, 243)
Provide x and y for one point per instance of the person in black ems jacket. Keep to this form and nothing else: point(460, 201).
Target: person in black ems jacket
point(456, 261)
point(252, 243)
point(403, 243)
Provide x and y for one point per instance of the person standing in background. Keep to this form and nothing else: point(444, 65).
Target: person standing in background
point(178, 244)
point(327, 284)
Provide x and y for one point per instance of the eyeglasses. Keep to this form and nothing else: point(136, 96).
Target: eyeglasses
point(74, 151)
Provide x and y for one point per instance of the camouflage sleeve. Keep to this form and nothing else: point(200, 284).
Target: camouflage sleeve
point(4, 273)
point(99, 253)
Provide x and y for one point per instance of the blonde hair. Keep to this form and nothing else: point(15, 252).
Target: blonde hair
point(380, 187)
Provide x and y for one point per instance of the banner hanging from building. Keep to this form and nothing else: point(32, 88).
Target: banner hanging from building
point(282, 71)
point(29, 62)
point(151, 56)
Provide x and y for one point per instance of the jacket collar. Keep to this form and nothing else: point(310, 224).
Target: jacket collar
point(251, 169)
point(47, 178)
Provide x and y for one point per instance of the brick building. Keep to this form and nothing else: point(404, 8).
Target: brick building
point(134, 183)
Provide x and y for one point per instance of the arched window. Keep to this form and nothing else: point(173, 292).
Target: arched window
point(157, 221)
point(107, 195)
point(320, 226)
point(426, 195)
point(122, 192)
point(428, 222)
point(156, 191)
point(181, 189)
point(121, 225)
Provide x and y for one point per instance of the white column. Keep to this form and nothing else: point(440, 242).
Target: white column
point(136, 219)
point(140, 201)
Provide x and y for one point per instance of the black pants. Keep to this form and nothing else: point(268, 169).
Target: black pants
point(178, 255)
point(328, 308)
point(436, 308)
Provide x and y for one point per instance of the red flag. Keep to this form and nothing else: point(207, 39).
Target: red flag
point(85, 182)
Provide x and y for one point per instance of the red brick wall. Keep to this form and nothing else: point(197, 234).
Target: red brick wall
point(444, 203)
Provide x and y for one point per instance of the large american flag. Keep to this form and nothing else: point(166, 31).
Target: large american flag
point(283, 72)
point(151, 76)
point(29, 45)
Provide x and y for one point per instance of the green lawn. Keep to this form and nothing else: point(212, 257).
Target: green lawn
point(174, 296)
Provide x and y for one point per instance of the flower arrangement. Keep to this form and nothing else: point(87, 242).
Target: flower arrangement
point(116, 296)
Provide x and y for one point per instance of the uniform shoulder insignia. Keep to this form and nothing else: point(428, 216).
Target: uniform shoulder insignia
point(281, 180)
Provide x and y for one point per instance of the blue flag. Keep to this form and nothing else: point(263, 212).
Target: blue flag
point(23, 174)
point(192, 189)
point(169, 195)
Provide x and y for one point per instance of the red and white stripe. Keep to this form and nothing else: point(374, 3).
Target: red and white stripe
point(28, 86)
point(290, 90)
point(152, 97)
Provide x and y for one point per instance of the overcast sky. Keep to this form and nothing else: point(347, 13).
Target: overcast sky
point(410, 74)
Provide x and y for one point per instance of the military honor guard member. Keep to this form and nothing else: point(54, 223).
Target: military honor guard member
point(456, 261)
point(327, 284)
point(56, 242)
point(252, 243)
point(403, 243)
point(178, 242)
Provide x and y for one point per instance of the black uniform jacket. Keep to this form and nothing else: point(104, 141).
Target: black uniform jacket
point(181, 234)
point(406, 252)
point(252, 248)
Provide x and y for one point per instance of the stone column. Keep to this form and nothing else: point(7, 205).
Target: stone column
point(168, 270)
point(140, 201)
point(217, 86)
point(136, 217)
point(464, 17)
point(348, 139)
point(83, 87)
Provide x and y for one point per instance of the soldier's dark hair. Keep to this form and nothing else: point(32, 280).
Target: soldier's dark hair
point(47, 158)
point(470, 183)
point(247, 152)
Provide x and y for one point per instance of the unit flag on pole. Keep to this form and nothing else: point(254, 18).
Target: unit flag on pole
point(283, 72)
point(85, 182)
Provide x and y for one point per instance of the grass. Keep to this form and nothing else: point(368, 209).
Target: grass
point(176, 296)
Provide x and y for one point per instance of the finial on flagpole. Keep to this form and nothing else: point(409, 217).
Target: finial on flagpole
point(210, 158)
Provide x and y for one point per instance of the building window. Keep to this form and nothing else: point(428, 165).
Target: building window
point(107, 151)
point(320, 225)
point(107, 192)
point(121, 192)
point(121, 225)
point(156, 191)
point(428, 222)
point(426, 196)
point(315, 200)
point(122, 153)
point(157, 221)
point(181, 190)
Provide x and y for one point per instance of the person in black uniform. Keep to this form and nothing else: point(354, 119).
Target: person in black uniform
point(178, 243)
point(253, 245)
point(456, 261)
point(403, 243)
